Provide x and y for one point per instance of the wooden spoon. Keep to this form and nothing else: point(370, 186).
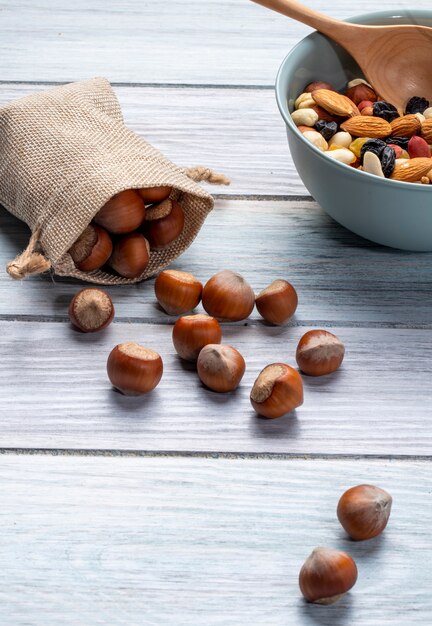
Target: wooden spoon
point(395, 59)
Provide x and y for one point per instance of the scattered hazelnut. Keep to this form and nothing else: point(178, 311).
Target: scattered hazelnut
point(154, 194)
point(361, 92)
point(192, 332)
point(318, 84)
point(277, 390)
point(220, 367)
point(91, 309)
point(177, 292)
point(327, 575)
point(319, 352)
point(227, 296)
point(124, 213)
point(92, 249)
point(164, 223)
point(130, 256)
point(277, 302)
point(364, 511)
point(133, 369)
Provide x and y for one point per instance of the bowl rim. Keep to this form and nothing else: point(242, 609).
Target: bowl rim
point(282, 100)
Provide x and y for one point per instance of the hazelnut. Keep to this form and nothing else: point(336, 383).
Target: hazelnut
point(364, 511)
point(319, 352)
point(227, 296)
point(220, 367)
point(164, 223)
point(124, 213)
point(277, 390)
point(360, 92)
point(91, 309)
point(325, 115)
point(154, 194)
point(327, 575)
point(192, 332)
point(318, 84)
point(277, 302)
point(177, 292)
point(130, 256)
point(92, 249)
point(133, 369)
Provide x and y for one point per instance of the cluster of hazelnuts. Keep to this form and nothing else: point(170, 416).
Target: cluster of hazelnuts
point(134, 369)
point(328, 574)
point(126, 229)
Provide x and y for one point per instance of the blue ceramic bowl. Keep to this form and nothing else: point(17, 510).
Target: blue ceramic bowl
point(385, 211)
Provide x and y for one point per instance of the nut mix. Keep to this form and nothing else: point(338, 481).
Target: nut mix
point(359, 129)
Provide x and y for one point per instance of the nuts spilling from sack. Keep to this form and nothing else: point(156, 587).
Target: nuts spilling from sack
point(126, 229)
point(359, 129)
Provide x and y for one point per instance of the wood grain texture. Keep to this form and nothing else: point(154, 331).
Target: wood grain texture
point(377, 403)
point(235, 131)
point(145, 541)
point(339, 277)
point(219, 42)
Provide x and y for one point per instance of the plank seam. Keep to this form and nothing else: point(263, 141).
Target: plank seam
point(277, 456)
point(221, 86)
point(61, 319)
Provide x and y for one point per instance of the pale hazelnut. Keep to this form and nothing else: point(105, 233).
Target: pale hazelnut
point(319, 352)
point(220, 367)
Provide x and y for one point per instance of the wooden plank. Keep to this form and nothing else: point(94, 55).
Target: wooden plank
point(235, 131)
point(134, 41)
point(54, 393)
point(340, 278)
point(155, 541)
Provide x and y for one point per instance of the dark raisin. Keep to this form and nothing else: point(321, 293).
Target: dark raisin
point(416, 105)
point(327, 129)
point(372, 145)
point(402, 142)
point(388, 158)
point(385, 110)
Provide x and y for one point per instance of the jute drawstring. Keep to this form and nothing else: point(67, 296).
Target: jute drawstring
point(29, 262)
point(200, 173)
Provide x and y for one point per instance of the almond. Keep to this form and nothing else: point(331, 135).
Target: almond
point(412, 169)
point(367, 126)
point(335, 103)
point(405, 126)
point(426, 130)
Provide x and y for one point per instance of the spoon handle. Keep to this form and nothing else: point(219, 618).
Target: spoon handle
point(335, 29)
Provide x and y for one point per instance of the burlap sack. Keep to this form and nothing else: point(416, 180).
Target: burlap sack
point(63, 154)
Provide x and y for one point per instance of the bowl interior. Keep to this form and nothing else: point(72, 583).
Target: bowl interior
point(318, 58)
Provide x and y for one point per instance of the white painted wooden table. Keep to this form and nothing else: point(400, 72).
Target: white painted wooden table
point(184, 508)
